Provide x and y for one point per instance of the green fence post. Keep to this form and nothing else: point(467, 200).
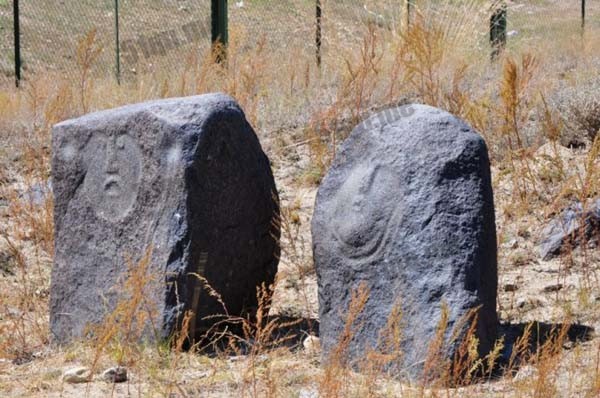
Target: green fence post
point(409, 6)
point(318, 38)
point(498, 31)
point(219, 31)
point(17, 39)
point(117, 44)
point(582, 16)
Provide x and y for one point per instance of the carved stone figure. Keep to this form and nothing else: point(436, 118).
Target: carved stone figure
point(112, 183)
point(407, 212)
point(181, 182)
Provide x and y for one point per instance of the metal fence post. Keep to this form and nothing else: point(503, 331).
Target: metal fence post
point(582, 16)
point(409, 6)
point(117, 44)
point(17, 41)
point(318, 38)
point(219, 31)
point(498, 31)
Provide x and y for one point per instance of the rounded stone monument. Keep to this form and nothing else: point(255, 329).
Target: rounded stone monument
point(182, 180)
point(407, 211)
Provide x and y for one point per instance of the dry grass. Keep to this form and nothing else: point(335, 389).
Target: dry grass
point(302, 114)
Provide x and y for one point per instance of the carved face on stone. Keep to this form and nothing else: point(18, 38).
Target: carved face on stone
point(363, 220)
point(114, 166)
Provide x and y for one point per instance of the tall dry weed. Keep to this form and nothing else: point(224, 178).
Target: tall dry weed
point(132, 319)
point(88, 51)
point(335, 379)
point(516, 105)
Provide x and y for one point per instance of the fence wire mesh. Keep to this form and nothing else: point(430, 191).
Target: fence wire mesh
point(157, 34)
point(161, 33)
point(50, 31)
point(6, 45)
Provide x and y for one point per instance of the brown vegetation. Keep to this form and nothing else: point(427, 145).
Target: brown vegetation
point(301, 114)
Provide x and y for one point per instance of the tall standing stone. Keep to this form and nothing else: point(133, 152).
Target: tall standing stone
point(184, 180)
point(407, 210)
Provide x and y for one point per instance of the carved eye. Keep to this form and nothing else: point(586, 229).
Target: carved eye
point(120, 142)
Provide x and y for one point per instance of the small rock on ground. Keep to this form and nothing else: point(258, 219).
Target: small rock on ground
point(76, 375)
point(511, 287)
point(312, 345)
point(553, 288)
point(565, 232)
point(116, 374)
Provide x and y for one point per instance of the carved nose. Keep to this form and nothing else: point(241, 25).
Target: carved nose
point(111, 157)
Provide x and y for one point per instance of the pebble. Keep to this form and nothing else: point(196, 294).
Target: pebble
point(530, 303)
point(80, 374)
point(512, 244)
point(511, 287)
point(553, 288)
point(116, 374)
point(312, 345)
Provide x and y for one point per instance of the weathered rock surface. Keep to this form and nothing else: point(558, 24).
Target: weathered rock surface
point(184, 180)
point(570, 228)
point(407, 209)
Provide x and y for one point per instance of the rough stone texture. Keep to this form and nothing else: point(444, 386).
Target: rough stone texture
point(407, 208)
point(185, 179)
point(570, 228)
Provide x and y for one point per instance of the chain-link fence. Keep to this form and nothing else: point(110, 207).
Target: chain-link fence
point(6, 43)
point(151, 33)
point(160, 33)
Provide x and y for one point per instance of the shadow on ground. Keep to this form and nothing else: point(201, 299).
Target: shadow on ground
point(294, 330)
point(233, 338)
point(521, 340)
point(539, 334)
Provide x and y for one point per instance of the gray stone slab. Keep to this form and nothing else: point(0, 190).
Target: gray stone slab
point(185, 179)
point(407, 209)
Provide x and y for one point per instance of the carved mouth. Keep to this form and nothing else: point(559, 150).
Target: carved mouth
point(112, 186)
